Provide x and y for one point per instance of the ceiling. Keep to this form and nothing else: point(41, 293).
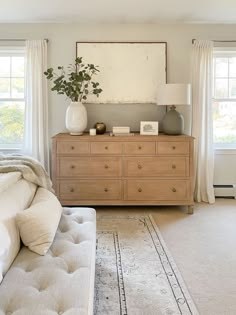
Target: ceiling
point(119, 11)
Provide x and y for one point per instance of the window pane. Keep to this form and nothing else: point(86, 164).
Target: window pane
point(17, 88)
point(224, 121)
point(17, 67)
point(232, 67)
point(5, 66)
point(11, 122)
point(221, 88)
point(4, 88)
point(232, 88)
point(221, 67)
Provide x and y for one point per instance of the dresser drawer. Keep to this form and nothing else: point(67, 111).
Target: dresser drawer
point(72, 147)
point(106, 148)
point(90, 189)
point(89, 166)
point(173, 148)
point(156, 166)
point(157, 190)
point(139, 148)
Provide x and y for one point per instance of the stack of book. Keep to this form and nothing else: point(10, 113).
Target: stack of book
point(121, 131)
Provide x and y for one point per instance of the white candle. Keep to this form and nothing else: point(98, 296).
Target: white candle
point(92, 132)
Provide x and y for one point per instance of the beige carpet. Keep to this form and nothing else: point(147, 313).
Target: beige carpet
point(204, 248)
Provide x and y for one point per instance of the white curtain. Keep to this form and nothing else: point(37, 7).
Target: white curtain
point(36, 112)
point(202, 120)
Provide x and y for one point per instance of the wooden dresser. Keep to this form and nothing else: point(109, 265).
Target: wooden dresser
point(133, 170)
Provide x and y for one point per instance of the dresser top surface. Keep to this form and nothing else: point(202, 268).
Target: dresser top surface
point(135, 137)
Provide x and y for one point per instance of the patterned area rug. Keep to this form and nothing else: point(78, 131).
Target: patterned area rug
point(135, 273)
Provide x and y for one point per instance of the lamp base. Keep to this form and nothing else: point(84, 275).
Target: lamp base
point(173, 122)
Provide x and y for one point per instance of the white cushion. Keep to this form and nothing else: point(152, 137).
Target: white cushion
point(12, 200)
point(62, 281)
point(38, 223)
point(8, 179)
point(5, 243)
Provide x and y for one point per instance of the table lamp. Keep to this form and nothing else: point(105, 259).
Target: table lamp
point(173, 94)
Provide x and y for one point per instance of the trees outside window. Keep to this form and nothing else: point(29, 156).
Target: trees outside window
point(12, 97)
point(224, 98)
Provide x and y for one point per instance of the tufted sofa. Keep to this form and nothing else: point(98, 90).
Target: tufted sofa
point(62, 281)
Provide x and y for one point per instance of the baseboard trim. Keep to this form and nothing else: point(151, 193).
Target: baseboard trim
point(225, 191)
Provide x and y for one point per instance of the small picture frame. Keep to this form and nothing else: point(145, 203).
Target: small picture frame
point(149, 127)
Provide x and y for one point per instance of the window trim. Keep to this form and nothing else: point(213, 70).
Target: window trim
point(225, 151)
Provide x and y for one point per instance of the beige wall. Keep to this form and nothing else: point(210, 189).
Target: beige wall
point(62, 39)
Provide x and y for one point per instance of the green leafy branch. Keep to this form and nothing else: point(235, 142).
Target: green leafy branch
point(75, 82)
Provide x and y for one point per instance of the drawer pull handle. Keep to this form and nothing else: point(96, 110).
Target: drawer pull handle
point(72, 166)
point(72, 147)
point(106, 189)
point(140, 167)
point(140, 148)
point(173, 166)
point(173, 147)
point(173, 189)
point(140, 190)
point(106, 166)
point(106, 147)
point(72, 190)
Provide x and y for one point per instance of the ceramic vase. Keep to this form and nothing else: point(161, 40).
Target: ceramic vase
point(173, 122)
point(76, 118)
point(100, 128)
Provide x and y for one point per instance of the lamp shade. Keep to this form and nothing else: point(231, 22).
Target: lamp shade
point(174, 94)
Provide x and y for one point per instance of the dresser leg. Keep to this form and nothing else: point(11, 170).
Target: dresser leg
point(190, 209)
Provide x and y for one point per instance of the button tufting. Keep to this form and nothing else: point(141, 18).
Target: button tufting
point(69, 271)
point(72, 268)
point(67, 212)
point(28, 269)
point(79, 220)
point(64, 229)
point(41, 289)
point(55, 254)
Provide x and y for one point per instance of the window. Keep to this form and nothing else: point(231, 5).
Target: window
point(224, 98)
point(12, 97)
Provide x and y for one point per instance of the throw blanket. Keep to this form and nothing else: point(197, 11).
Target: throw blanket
point(30, 169)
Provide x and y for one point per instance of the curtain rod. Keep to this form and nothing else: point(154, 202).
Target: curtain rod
point(218, 41)
point(18, 40)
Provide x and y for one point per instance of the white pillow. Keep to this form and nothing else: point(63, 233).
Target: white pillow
point(4, 249)
point(12, 200)
point(38, 223)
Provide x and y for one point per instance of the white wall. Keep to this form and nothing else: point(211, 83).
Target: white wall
point(62, 44)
